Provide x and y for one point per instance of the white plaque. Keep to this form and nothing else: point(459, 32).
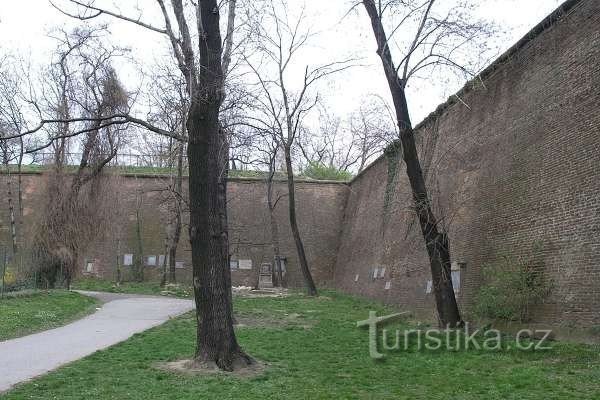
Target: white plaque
point(388, 285)
point(127, 259)
point(245, 264)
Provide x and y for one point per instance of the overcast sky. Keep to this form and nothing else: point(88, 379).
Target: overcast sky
point(24, 27)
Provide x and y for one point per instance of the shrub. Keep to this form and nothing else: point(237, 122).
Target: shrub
point(320, 171)
point(510, 289)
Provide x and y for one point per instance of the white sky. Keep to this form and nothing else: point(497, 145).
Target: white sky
point(24, 25)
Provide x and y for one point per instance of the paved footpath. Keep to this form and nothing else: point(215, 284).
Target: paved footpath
point(119, 318)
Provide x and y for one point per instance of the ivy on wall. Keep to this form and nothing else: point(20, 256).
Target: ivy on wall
point(392, 155)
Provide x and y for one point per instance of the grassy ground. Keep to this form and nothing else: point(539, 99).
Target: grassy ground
point(315, 351)
point(150, 288)
point(39, 311)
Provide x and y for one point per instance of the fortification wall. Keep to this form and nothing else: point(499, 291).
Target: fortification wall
point(320, 208)
point(514, 170)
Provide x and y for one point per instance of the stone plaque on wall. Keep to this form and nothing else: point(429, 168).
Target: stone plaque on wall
point(245, 264)
point(127, 259)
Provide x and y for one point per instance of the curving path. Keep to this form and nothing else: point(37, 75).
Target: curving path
point(120, 317)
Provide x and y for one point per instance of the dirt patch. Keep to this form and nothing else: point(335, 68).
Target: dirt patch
point(194, 368)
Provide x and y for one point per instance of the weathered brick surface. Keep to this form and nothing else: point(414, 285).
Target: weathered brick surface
point(320, 211)
point(519, 167)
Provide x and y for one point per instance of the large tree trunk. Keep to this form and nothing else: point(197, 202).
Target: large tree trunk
point(308, 280)
point(437, 244)
point(207, 157)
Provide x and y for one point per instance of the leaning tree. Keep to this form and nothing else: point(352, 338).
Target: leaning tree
point(427, 35)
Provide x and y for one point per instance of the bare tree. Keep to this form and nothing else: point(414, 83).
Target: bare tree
point(86, 82)
point(440, 37)
point(169, 103)
point(204, 62)
point(282, 110)
point(12, 121)
point(372, 129)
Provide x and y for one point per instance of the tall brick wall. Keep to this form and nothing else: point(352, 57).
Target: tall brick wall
point(518, 168)
point(320, 212)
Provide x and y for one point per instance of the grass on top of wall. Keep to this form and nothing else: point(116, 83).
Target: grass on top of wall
point(315, 351)
point(38, 311)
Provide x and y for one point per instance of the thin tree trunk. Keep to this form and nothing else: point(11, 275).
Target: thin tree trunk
point(308, 280)
point(20, 198)
point(139, 263)
point(118, 277)
point(436, 242)
point(208, 159)
point(274, 227)
point(178, 223)
point(11, 210)
point(163, 277)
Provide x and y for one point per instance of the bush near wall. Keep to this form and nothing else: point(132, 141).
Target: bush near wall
point(511, 288)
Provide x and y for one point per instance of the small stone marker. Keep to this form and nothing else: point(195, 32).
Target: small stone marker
point(356, 278)
point(388, 285)
point(265, 278)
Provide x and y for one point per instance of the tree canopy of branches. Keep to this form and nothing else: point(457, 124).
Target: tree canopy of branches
point(281, 109)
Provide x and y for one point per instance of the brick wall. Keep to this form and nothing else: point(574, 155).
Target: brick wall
point(320, 208)
point(518, 167)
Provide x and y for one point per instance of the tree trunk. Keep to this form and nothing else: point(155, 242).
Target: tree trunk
point(274, 229)
point(139, 263)
point(11, 210)
point(177, 228)
point(308, 280)
point(208, 158)
point(437, 243)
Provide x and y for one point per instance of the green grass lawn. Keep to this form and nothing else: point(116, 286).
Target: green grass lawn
point(315, 351)
point(150, 288)
point(22, 315)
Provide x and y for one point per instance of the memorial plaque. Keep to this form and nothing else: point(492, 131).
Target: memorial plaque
point(151, 261)
point(388, 285)
point(428, 289)
point(245, 264)
point(127, 259)
point(356, 278)
point(456, 280)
